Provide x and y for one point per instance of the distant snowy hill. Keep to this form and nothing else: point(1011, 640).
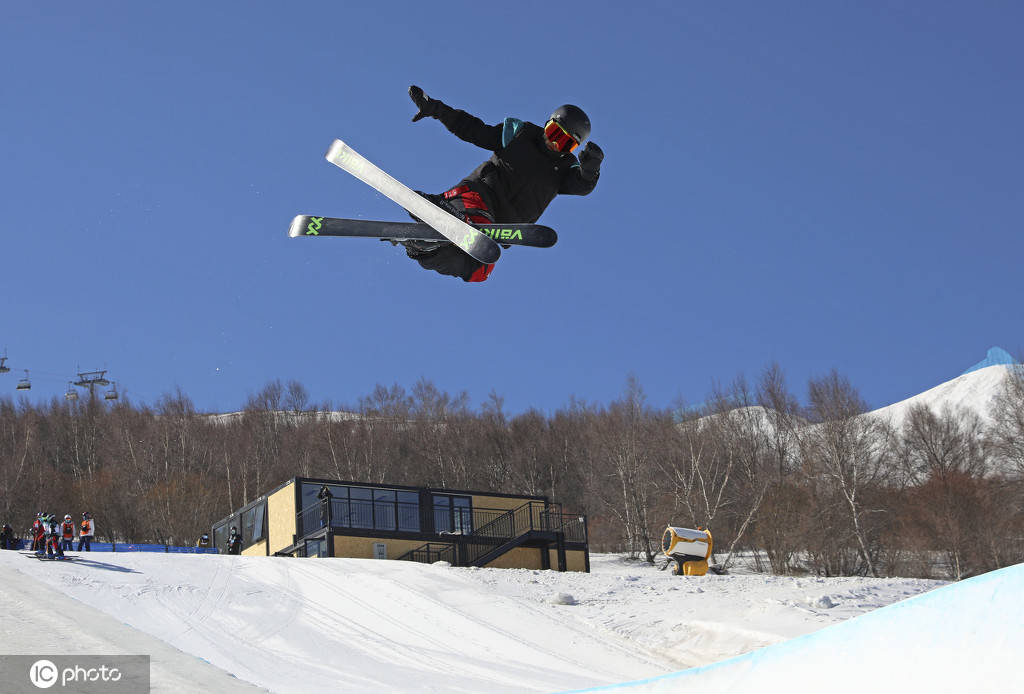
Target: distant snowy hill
point(974, 391)
point(288, 417)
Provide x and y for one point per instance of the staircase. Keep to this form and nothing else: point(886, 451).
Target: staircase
point(533, 520)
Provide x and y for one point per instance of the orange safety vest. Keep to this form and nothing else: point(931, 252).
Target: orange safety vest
point(67, 529)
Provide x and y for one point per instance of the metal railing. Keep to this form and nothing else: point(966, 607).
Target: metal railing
point(496, 531)
point(572, 525)
point(432, 552)
point(360, 514)
point(482, 531)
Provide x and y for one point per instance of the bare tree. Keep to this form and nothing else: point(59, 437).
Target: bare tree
point(1007, 413)
point(696, 475)
point(19, 456)
point(627, 437)
point(296, 398)
point(439, 435)
point(746, 439)
point(1006, 438)
point(936, 446)
point(494, 464)
point(783, 519)
point(945, 458)
point(569, 454)
point(851, 454)
point(263, 426)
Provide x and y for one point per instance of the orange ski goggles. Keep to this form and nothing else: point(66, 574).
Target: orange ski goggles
point(556, 135)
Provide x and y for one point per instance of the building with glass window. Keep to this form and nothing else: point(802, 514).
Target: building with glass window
point(327, 518)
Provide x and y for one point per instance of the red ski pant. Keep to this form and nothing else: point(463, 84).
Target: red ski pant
point(475, 211)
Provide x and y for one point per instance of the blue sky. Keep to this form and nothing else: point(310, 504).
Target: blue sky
point(824, 185)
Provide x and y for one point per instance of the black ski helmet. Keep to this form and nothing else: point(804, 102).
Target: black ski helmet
point(573, 120)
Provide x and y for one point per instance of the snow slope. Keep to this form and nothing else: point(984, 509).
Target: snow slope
point(964, 637)
point(348, 625)
point(42, 621)
point(973, 390)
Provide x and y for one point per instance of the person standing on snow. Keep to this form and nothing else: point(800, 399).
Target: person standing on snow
point(67, 533)
point(7, 537)
point(529, 167)
point(87, 532)
point(39, 535)
point(234, 542)
point(53, 548)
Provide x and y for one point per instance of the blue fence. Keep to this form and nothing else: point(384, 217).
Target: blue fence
point(126, 547)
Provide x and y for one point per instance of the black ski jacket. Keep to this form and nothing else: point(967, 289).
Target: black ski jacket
point(522, 176)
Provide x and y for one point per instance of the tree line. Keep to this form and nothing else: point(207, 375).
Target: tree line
point(816, 487)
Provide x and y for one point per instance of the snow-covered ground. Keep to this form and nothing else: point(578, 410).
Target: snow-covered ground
point(963, 637)
point(216, 623)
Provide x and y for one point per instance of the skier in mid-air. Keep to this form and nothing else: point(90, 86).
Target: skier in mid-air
point(530, 166)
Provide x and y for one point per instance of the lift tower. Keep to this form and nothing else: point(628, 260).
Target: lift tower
point(91, 379)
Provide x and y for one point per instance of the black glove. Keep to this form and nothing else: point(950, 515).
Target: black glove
point(426, 105)
point(590, 160)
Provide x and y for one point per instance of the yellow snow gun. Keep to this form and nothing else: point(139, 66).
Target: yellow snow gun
point(689, 550)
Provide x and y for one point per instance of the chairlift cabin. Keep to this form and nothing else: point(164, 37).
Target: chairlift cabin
point(3, 366)
point(111, 394)
point(25, 383)
point(72, 394)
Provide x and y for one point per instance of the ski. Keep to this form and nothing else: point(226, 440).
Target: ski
point(45, 557)
point(472, 241)
point(536, 235)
